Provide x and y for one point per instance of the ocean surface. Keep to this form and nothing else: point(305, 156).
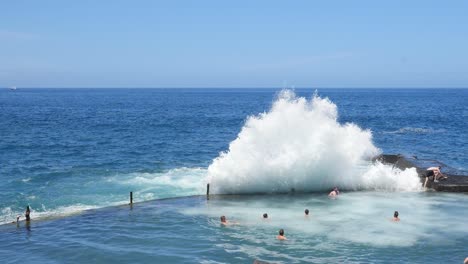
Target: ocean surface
point(69, 152)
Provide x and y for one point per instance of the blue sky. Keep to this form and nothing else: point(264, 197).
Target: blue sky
point(234, 43)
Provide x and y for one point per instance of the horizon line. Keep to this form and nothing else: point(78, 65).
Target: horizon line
point(213, 87)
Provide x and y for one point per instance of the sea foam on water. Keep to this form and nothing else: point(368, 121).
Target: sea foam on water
point(299, 144)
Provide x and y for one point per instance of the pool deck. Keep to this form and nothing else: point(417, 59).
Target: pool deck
point(454, 183)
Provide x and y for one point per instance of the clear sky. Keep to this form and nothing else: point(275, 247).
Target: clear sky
point(150, 43)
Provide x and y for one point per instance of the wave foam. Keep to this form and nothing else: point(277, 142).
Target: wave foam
point(300, 144)
point(178, 182)
point(9, 215)
point(416, 130)
point(113, 191)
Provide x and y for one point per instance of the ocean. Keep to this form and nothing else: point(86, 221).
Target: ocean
point(73, 156)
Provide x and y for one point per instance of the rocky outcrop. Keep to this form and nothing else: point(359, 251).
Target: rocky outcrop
point(454, 183)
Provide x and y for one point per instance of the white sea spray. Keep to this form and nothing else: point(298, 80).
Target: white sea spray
point(299, 144)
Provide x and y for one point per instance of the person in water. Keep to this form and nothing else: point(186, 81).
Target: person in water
point(26, 214)
point(281, 235)
point(435, 173)
point(265, 216)
point(225, 222)
point(306, 212)
point(395, 217)
point(335, 192)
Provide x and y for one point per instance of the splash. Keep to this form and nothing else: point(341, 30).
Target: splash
point(172, 183)
point(299, 144)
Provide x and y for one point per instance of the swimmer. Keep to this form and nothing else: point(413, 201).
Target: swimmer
point(225, 222)
point(265, 216)
point(306, 212)
point(335, 192)
point(281, 235)
point(395, 217)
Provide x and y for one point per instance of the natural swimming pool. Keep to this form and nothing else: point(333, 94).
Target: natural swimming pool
point(354, 228)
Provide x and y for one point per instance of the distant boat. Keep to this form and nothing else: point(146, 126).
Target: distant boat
point(13, 88)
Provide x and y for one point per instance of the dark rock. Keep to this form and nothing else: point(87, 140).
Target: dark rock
point(454, 183)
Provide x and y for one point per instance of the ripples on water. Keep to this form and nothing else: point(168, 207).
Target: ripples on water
point(353, 228)
point(67, 150)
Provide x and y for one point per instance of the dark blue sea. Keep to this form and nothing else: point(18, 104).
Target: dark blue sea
point(73, 156)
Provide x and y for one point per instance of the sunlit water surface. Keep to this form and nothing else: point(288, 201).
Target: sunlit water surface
point(354, 228)
point(64, 151)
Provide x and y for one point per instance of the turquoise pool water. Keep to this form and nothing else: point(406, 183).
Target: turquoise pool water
point(354, 228)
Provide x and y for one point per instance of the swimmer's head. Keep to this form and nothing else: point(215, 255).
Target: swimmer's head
point(223, 219)
point(440, 167)
point(306, 211)
point(395, 214)
point(281, 232)
point(265, 215)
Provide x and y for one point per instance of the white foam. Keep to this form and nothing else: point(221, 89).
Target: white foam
point(357, 217)
point(178, 182)
point(61, 211)
point(145, 186)
point(300, 144)
point(384, 177)
point(416, 130)
point(8, 215)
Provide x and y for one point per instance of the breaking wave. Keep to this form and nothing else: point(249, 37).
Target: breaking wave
point(299, 144)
